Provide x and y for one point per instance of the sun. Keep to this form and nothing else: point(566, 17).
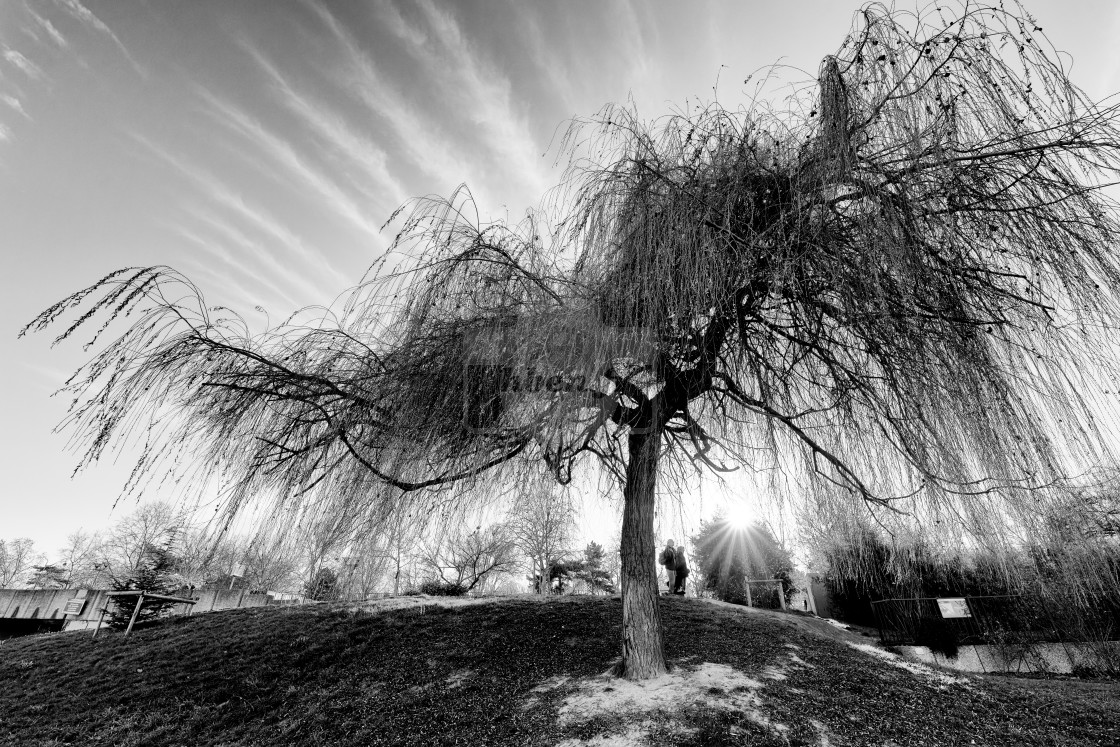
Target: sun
point(739, 515)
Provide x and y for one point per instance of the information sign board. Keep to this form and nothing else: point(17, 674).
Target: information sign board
point(74, 607)
point(954, 607)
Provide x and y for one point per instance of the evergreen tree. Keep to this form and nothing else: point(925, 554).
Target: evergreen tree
point(48, 577)
point(729, 556)
point(323, 587)
point(153, 573)
point(592, 572)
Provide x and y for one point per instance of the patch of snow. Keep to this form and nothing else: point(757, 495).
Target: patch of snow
point(706, 685)
point(417, 604)
point(715, 684)
point(634, 736)
point(913, 667)
point(457, 678)
point(801, 662)
point(822, 732)
point(550, 684)
point(781, 671)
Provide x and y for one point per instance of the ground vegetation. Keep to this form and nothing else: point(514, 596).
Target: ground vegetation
point(520, 671)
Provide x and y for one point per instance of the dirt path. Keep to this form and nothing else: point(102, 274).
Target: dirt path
point(815, 625)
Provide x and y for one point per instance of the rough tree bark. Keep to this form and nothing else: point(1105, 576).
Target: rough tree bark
point(643, 652)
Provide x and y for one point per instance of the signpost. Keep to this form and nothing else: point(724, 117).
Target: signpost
point(237, 572)
point(74, 606)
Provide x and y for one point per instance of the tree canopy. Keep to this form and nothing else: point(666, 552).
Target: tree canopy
point(892, 292)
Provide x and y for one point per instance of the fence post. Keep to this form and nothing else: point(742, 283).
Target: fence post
point(748, 586)
point(878, 614)
point(99, 621)
point(135, 612)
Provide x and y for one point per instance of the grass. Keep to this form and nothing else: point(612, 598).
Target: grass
point(516, 671)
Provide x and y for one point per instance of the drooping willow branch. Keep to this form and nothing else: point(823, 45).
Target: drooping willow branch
point(890, 288)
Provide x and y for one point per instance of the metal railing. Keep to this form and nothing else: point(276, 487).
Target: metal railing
point(990, 619)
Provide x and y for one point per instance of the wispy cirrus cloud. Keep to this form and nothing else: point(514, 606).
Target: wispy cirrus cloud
point(483, 94)
point(45, 25)
point(401, 27)
point(279, 152)
point(418, 139)
point(13, 103)
point(346, 147)
point(549, 58)
point(1111, 72)
point(271, 234)
point(632, 40)
point(47, 378)
point(262, 248)
point(26, 66)
point(231, 274)
point(91, 21)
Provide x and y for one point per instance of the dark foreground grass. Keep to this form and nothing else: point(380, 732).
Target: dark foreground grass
point(511, 672)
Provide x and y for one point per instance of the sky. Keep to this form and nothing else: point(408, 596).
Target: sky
point(260, 147)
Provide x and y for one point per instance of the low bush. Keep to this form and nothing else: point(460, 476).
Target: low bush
point(323, 587)
point(441, 589)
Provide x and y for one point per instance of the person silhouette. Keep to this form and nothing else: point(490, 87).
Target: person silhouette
point(681, 567)
point(668, 558)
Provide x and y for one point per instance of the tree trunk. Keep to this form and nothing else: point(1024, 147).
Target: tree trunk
point(643, 653)
point(397, 575)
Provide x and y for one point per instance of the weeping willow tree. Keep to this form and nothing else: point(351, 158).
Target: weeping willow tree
point(894, 293)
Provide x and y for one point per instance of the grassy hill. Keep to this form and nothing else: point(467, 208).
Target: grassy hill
point(517, 671)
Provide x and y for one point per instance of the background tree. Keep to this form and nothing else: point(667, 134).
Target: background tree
point(204, 560)
point(728, 556)
point(1087, 514)
point(365, 566)
point(561, 572)
point(324, 538)
point(126, 549)
point(592, 570)
point(399, 538)
point(152, 571)
point(16, 559)
point(542, 525)
point(612, 558)
point(323, 586)
point(80, 556)
point(464, 561)
point(895, 291)
point(269, 564)
point(48, 577)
